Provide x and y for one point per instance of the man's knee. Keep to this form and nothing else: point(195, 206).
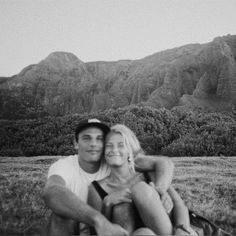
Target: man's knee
point(59, 225)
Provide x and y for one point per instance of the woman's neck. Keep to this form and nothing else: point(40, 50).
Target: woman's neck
point(121, 174)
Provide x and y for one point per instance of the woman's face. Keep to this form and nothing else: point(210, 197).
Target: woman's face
point(116, 152)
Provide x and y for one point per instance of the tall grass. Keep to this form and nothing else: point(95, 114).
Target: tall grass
point(207, 184)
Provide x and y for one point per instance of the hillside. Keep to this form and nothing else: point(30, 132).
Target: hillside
point(188, 77)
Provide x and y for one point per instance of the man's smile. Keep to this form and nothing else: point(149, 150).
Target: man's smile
point(93, 151)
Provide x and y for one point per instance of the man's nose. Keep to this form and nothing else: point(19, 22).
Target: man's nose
point(93, 142)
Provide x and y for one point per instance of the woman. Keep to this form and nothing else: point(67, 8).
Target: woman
point(126, 198)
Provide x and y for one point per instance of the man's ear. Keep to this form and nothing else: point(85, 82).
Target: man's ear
point(76, 145)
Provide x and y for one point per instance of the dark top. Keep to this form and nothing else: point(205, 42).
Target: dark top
point(102, 193)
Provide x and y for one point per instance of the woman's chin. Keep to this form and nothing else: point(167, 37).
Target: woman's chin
point(115, 164)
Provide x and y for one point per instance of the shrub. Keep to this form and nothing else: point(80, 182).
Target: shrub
point(160, 131)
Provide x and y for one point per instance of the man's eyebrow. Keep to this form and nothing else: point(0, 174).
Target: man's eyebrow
point(89, 135)
point(85, 135)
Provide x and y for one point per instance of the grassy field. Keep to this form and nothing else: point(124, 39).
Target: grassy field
point(207, 184)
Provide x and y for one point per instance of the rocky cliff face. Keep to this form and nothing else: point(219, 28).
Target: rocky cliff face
point(189, 76)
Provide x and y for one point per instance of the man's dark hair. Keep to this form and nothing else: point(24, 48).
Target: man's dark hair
point(91, 123)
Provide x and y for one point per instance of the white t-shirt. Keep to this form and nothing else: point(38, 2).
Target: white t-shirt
point(77, 180)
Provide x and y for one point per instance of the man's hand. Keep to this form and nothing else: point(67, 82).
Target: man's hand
point(161, 166)
point(167, 202)
point(107, 228)
point(165, 198)
point(117, 197)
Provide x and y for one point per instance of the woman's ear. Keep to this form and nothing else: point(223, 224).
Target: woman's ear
point(129, 159)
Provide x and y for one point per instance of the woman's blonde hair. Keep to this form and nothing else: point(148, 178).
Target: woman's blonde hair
point(130, 141)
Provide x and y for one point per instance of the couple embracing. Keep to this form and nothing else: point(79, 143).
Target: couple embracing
point(112, 188)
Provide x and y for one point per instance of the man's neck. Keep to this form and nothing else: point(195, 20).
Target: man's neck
point(89, 167)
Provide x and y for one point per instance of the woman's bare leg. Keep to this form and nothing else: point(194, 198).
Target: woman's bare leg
point(143, 231)
point(150, 208)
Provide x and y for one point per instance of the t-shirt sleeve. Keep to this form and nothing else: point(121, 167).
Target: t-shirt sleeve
point(60, 168)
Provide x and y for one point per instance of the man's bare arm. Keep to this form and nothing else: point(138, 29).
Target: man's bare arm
point(162, 166)
point(65, 203)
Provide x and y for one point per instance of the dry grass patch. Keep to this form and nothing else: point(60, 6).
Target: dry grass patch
point(207, 184)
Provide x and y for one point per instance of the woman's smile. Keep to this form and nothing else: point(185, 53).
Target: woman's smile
point(113, 155)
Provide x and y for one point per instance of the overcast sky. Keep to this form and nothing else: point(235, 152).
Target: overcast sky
point(109, 30)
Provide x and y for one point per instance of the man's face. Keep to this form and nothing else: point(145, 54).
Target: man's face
point(90, 144)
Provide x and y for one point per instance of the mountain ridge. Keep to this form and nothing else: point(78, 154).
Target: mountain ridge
point(187, 77)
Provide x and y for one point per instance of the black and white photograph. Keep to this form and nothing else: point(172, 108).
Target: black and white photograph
point(118, 117)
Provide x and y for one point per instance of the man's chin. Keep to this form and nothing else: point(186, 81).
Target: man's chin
point(95, 158)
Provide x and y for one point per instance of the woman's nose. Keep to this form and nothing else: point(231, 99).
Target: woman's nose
point(115, 148)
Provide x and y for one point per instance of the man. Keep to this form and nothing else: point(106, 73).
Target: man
point(66, 190)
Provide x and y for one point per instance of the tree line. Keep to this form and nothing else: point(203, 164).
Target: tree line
point(160, 131)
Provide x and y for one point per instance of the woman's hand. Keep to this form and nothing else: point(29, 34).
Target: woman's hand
point(117, 197)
